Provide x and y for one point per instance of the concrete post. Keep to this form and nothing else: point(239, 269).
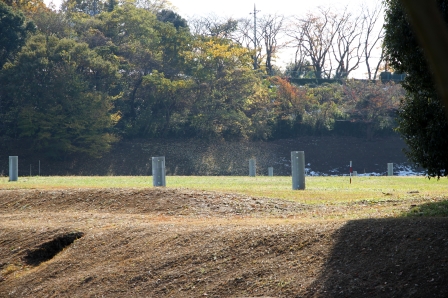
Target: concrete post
point(390, 169)
point(298, 170)
point(13, 168)
point(158, 171)
point(252, 167)
point(270, 171)
point(355, 173)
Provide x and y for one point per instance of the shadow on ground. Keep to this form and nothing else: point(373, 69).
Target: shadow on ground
point(401, 257)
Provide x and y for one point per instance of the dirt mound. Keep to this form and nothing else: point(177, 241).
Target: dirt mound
point(183, 243)
point(169, 202)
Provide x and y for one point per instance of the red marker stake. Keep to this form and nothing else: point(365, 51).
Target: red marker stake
point(351, 172)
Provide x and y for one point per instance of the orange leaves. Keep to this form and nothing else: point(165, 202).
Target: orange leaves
point(291, 98)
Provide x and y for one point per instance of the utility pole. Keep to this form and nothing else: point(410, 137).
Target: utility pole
point(255, 37)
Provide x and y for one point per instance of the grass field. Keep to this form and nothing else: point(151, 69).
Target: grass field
point(319, 190)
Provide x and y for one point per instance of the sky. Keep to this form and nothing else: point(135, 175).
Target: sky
point(243, 9)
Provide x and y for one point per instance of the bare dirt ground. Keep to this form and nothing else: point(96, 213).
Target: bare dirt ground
point(162, 242)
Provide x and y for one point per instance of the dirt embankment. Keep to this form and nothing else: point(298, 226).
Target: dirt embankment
point(327, 155)
point(184, 243)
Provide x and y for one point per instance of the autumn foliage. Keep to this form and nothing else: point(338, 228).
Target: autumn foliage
point(123, 71)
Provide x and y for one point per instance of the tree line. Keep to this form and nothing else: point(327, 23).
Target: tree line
point(95, 72)
point(326, 43)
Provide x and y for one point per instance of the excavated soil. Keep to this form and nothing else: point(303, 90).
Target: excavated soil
point(163, 242)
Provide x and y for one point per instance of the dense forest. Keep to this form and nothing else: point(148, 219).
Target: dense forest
point(95, 72)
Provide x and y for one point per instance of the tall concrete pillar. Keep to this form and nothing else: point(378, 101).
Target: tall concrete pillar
point(13, 168)
point(252, 167)
point(270, 171)
point(390, 169)
point(298, 170)
point(158, 171)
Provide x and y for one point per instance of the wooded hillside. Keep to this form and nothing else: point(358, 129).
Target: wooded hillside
point(78, 80)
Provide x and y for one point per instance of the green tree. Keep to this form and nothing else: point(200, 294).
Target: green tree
point(169, 106)
point(170, 16)
point(90, 7)
point(111, 5)
point(142, 45)
point(128, 34)
point(300, 70)
point(49, 22)
point(230, 99)
point(421, 120)
point(165, 92)
point(323, 108)
point(57, 95)
point(13, 32)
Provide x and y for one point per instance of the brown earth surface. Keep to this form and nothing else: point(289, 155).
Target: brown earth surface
point(163, 242)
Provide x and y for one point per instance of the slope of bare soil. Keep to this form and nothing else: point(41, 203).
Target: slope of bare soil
point(181, 243)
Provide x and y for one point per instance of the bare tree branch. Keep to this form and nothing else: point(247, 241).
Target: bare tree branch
point(271, 27)
point(214, 26)
point(245, 33)
point(372, 40)
point(316, 36)
point(348, 45)
point(155, 5)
